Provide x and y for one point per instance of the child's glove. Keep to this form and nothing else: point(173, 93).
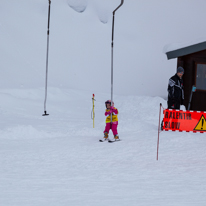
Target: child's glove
point(111, 107)
point(114, 111)
point(108, 113)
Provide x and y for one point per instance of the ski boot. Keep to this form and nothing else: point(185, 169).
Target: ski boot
point(105, 138)
point(116, 138)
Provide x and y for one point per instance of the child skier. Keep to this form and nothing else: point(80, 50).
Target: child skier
point(110, 109)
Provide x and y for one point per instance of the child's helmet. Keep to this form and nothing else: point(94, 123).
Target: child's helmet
point(109, 102)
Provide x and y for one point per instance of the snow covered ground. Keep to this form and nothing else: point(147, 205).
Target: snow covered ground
point(57, 159)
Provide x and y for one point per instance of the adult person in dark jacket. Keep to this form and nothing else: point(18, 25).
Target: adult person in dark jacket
point(175, 90)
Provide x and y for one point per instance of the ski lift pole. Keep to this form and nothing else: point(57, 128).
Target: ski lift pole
point(93, 113)
point(47, 57)
point(112, 46)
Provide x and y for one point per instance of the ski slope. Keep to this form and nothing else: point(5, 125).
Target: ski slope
point(58, 160)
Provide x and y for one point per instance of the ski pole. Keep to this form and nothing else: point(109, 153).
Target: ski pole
point(112, 46)
point(193, 90)
point(47, 57)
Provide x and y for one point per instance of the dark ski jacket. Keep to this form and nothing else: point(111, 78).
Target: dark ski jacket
point(175, 89)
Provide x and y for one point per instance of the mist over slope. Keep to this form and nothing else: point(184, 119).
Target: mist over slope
point(80, 43)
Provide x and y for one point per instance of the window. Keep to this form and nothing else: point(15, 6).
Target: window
point(201, 76)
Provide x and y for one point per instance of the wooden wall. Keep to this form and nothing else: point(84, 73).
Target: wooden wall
point(188, 62)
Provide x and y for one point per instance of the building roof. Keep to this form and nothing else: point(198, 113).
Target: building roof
point(186, 50)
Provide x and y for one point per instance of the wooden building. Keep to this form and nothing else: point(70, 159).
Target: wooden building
point(193, 60)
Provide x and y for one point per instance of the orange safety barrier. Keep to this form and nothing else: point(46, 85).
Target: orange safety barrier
point(179, 120)
point(189, 121)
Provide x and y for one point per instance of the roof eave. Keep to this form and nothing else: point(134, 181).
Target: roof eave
point(186, 50)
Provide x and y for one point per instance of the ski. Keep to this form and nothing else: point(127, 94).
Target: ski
point(111, 141)
point(105, 140)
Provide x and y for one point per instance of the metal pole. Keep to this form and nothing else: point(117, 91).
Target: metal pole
point(93, 110)
point(112, 46)
point(158, 132)
point(47, 57)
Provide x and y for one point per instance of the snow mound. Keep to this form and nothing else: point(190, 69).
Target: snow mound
point(104, 10)
point(103, 17)
point(25, 132)
point(78, 5)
